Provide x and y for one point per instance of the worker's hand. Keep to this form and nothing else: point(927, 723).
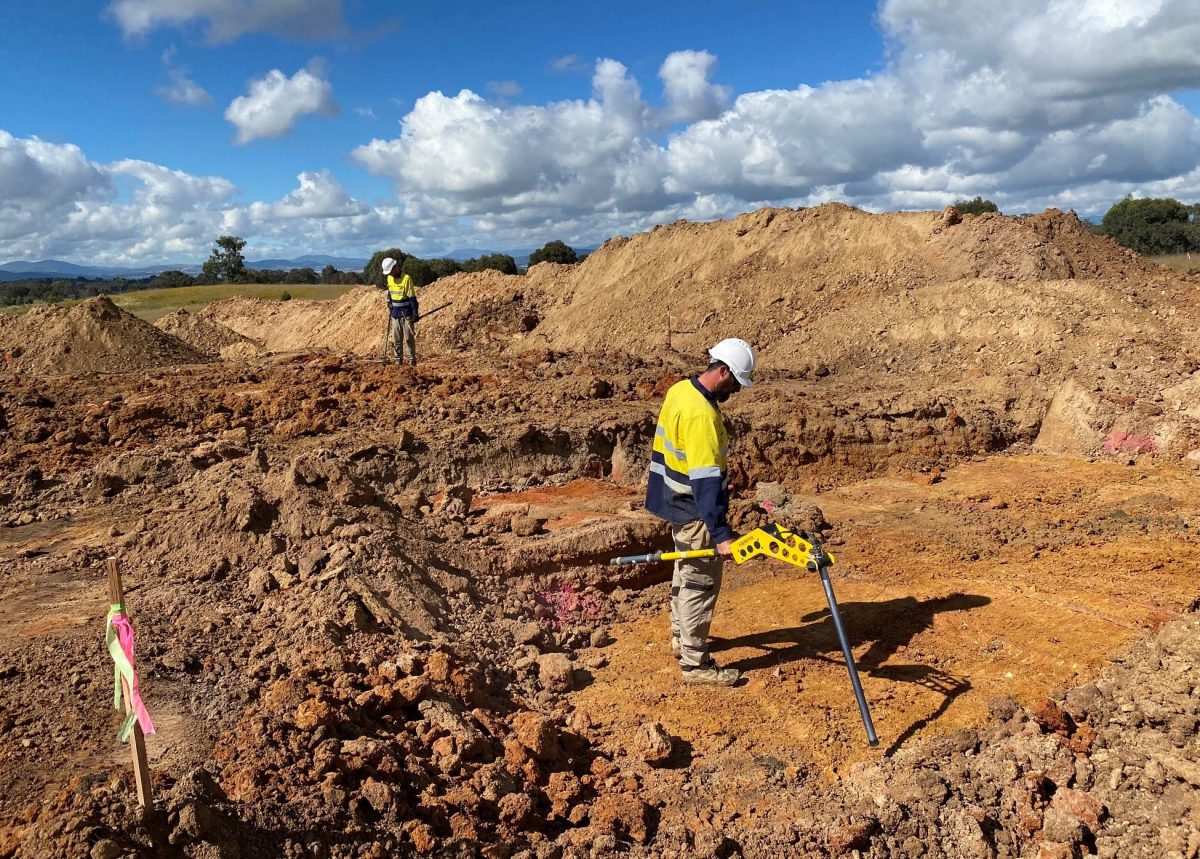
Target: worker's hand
point(725, 549)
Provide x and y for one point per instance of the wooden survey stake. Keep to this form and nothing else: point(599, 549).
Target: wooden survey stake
point(137, 740)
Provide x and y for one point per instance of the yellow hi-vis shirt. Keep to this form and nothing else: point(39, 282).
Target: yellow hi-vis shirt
point(400, 290)
point(687, 463)
point(402, 298)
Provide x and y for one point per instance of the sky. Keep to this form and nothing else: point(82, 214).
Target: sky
point(134, 132)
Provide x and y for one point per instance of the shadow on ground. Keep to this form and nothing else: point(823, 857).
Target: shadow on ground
point(887, 626)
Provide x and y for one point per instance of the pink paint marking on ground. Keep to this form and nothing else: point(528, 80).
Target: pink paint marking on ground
point(1120, 442)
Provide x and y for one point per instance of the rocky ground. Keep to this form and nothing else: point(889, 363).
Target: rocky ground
point(375, 619)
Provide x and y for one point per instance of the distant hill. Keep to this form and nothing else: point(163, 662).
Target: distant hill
point(54, 269)
point(59, 270)
point(460, 254)
point(520, 257)
point(317, 261)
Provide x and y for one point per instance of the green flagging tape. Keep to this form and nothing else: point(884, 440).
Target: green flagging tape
point(122, 672)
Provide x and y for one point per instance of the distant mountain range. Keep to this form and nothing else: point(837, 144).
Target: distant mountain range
point(60, 270)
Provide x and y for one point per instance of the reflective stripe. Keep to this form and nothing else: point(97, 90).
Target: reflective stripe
point(671, 449)
point(701, 473)
point(691, 587)
point(661, 470)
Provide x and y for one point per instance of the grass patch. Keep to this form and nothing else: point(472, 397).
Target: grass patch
point(1179, 262)
point(153, 304)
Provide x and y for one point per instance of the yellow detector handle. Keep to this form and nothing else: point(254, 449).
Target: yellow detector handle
point(777, 542)
point(772, 540)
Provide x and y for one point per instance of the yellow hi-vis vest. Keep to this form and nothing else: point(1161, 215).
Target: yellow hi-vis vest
point(402, 298)
point(399, 291)
point(687, 463)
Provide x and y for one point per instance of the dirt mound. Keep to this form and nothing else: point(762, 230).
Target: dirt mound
point(476, 312)
point(374, 619)
point(908, 292)
point(94, 336)
point(353, 324)
point(207, 336)
point(484, 311)
point(778, 273)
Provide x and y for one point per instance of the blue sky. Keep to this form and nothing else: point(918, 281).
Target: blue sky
point(135, 131)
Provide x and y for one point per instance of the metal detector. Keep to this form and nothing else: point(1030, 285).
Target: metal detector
point(777, 542)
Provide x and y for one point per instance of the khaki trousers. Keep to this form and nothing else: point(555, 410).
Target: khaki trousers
point(694, 590)
point(403, 335)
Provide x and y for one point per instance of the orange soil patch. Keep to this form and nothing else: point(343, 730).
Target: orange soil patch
point(573, 503)
point(948, 600)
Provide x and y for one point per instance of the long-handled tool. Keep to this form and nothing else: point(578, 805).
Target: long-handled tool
point(387, 334)
point(777, 542)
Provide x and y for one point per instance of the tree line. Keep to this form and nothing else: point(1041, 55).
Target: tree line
point(45, 289)
point(1153, 226)
point(1150, 226)
point(227, 265)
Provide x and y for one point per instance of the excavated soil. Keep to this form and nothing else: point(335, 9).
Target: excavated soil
point(373, 607)
point(93, 337)
point(208, 337)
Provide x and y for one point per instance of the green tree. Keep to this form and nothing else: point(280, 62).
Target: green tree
point(420, 271)
point(555, 251)
point(444, 267)
point(302, 275)
point(285, 296)
point(171, 279)
point(268, 275)
point(226, 263)
point(1153, 225)
point(373, 273)
point(499, 262)
point(329, 274)
point(975, 207)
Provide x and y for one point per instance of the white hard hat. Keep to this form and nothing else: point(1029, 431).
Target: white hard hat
point(737, 355)
point(388, 264)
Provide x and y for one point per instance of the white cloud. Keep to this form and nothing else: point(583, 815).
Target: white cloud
point(54, 202)
point(41, 183)
point(569, 63)
point(226, 20)
point(690, 96)
point(504, 90)
point(1031, 104)
point(320, 195)
point(464, 155)
point(365, 112)
point(275, 102)
point(184, 91)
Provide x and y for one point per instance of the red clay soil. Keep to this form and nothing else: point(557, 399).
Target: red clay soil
point(373, 610)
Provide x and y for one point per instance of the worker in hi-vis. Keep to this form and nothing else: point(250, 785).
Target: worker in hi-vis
point(404, 312)
point(687, 488)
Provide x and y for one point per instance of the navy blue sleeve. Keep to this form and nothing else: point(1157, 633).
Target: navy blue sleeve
point(712, 499)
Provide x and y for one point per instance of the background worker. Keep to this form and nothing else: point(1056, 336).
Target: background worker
point(403, 310)
point(687, 488)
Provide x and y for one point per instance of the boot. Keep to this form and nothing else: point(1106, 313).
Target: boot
point(711, 674)
point(676, 649)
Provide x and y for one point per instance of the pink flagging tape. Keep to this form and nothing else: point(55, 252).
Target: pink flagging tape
point(118, 636)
